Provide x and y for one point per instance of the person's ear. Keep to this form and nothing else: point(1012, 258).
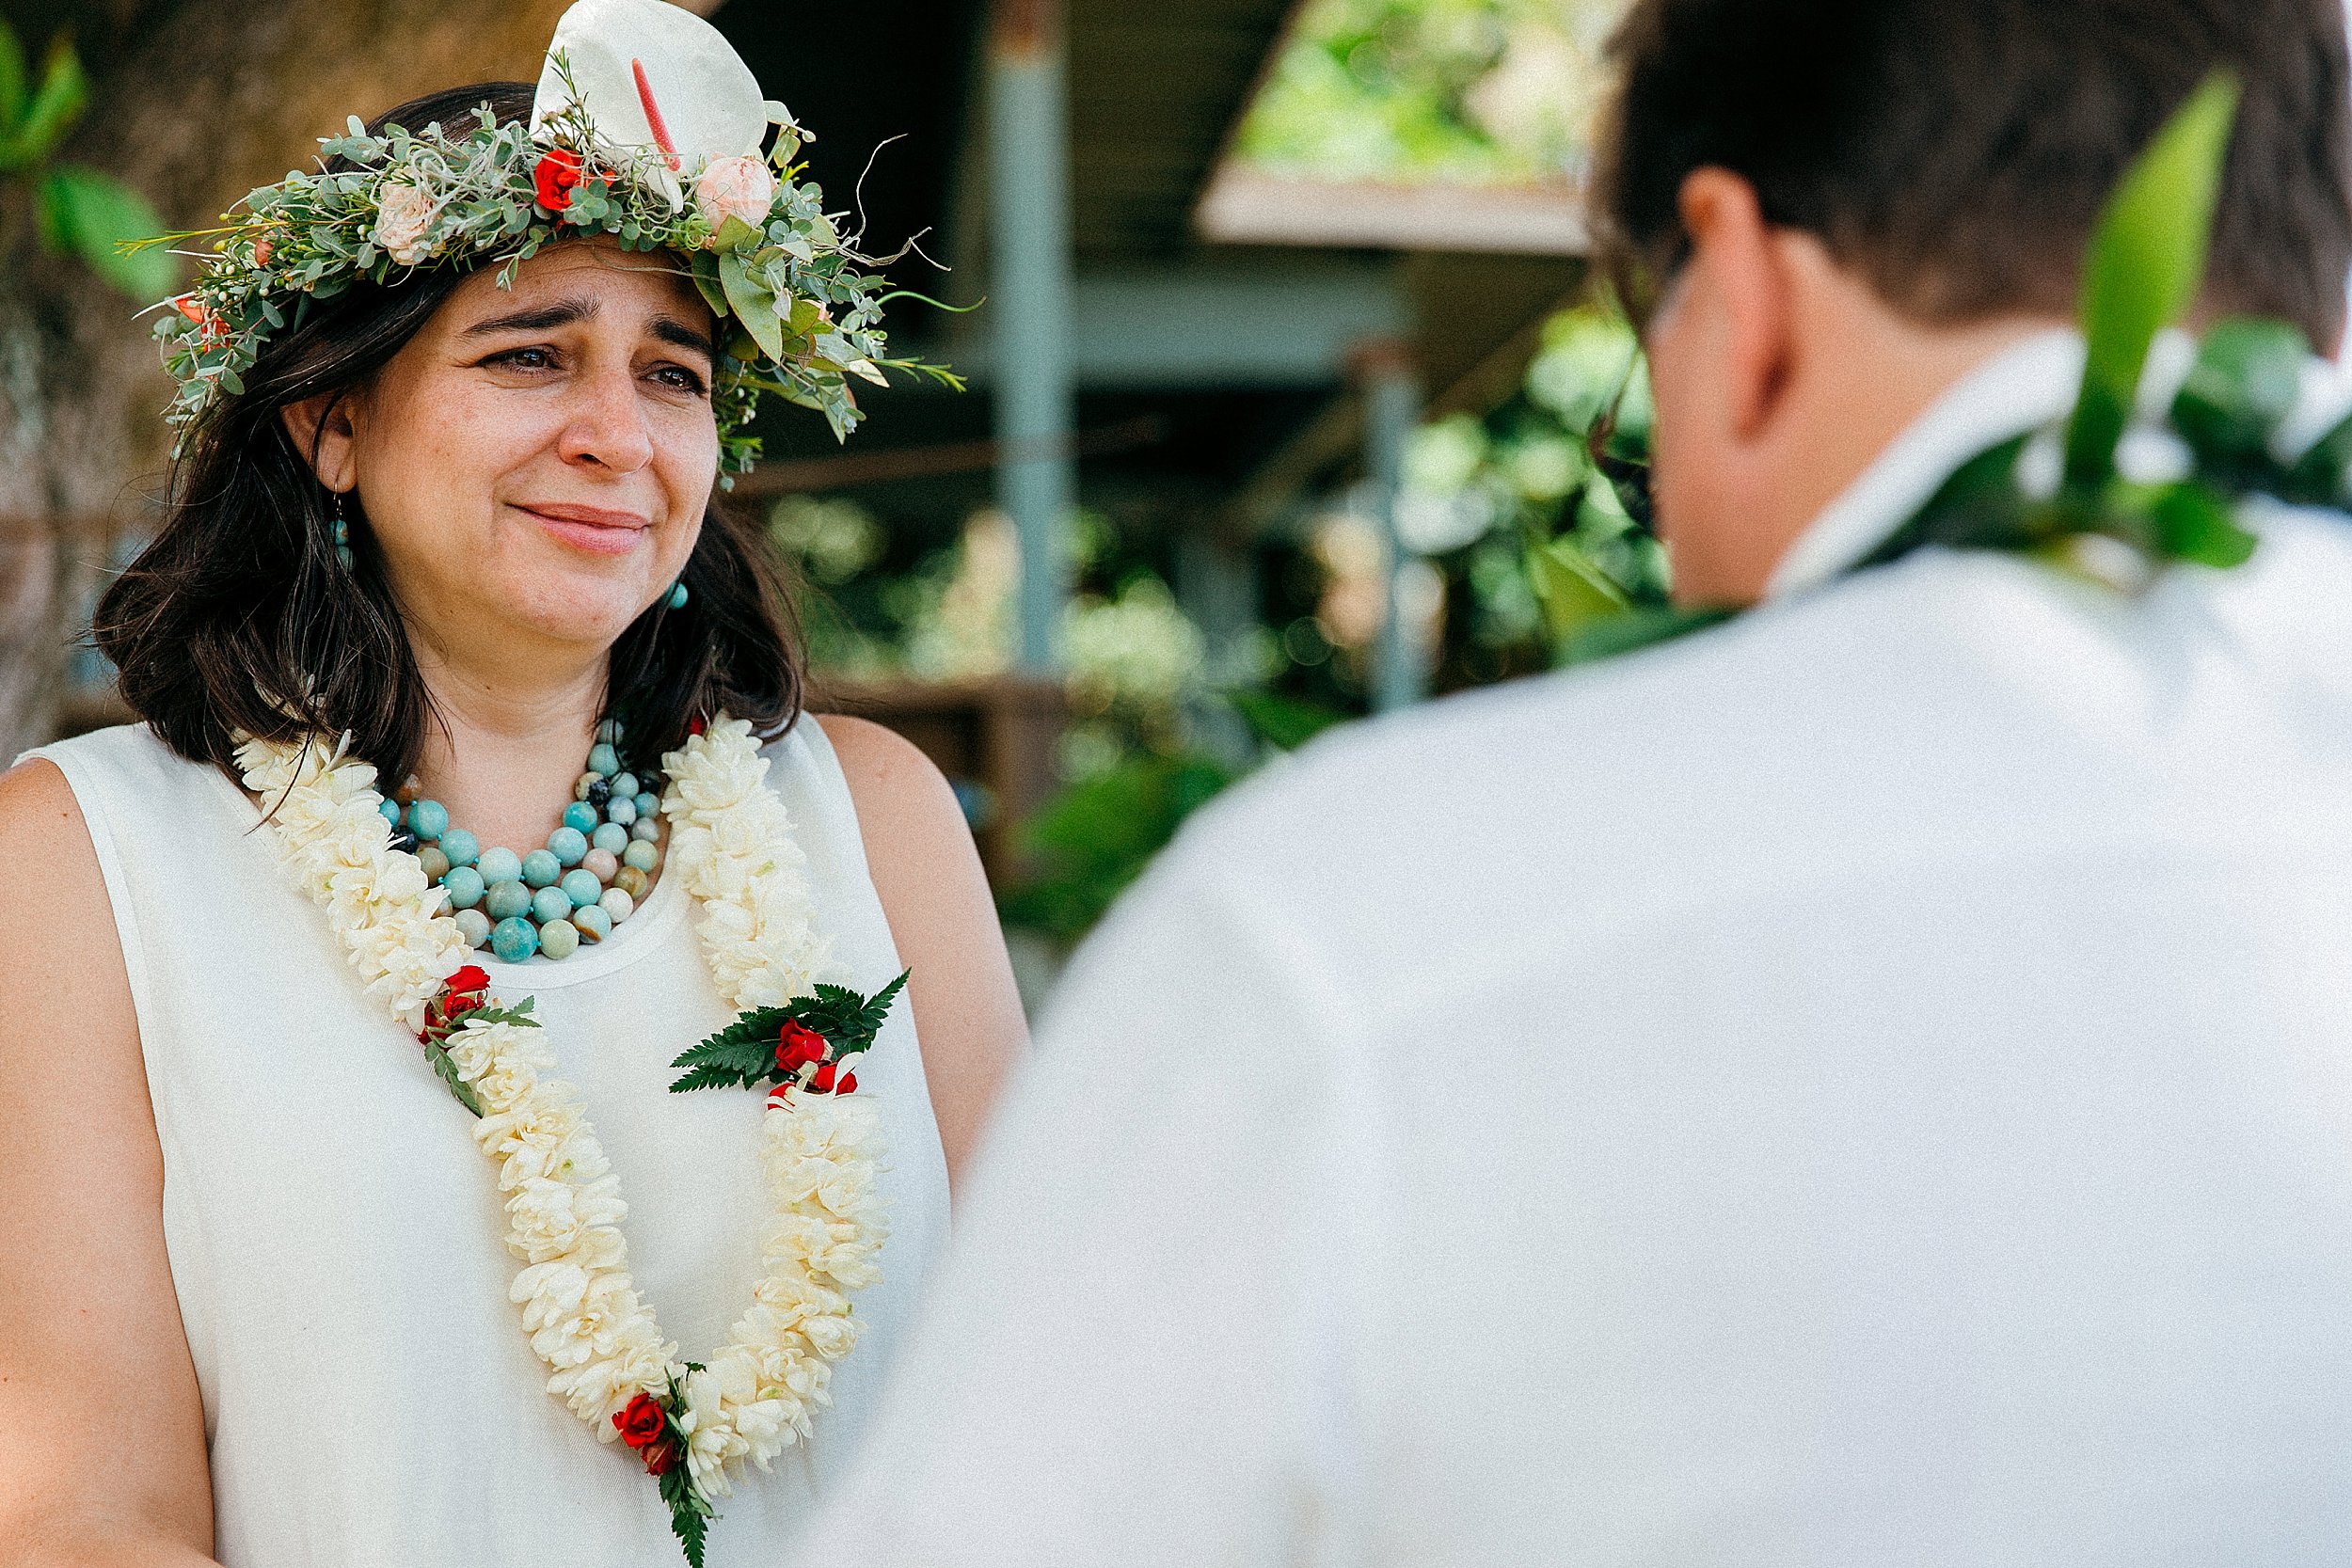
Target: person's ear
point(323, 433)
point(1733, 257)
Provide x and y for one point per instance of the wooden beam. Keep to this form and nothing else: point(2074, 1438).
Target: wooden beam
point(1244, 206)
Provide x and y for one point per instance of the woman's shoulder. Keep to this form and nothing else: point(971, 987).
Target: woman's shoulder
point(62, 908)
point(130, 752)
point(901, 801)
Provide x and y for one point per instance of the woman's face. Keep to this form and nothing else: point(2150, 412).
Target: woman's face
point(536, 462)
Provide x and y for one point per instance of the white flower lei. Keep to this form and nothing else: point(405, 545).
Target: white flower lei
point(732, 845)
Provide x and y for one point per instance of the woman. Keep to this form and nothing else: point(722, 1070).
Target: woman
point(253, 1300)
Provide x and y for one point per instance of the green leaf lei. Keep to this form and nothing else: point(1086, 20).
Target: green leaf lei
point(807, 316)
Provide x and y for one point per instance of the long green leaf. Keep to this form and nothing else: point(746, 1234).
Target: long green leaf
point(2145, 264)
point(1573, 592)
point(64, 94)
point(11, 80)
point(95, 215)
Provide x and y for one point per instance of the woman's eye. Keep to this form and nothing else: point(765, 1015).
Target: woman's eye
point(532, 359)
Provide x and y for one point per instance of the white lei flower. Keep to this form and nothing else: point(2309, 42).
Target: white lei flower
point(732, 845)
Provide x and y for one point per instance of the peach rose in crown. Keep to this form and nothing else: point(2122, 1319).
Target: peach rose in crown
point(403, 215)
point(737, 187)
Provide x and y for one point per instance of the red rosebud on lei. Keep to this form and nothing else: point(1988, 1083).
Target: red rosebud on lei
point(642, 1422)
point(797, 1046)
point(822, 1083)
point(555, 175)
point(848, 1084)
point(660, 1456)
point(468, 989)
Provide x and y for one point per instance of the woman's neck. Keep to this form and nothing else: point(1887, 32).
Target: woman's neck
point(503, 752)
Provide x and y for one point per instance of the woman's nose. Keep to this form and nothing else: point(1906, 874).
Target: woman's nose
point(608, 423)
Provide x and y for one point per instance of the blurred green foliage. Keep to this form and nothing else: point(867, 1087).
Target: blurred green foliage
point(1095, 836)
point(1471, 92)
point(77, 211)
point(1551, 533)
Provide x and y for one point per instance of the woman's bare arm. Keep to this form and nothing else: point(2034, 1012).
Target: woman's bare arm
point(105, 1462)
point(966, 1012)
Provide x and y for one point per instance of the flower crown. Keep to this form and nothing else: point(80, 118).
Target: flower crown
point(758, 245)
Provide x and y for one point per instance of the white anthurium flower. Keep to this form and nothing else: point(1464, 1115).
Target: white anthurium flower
point(654, 74)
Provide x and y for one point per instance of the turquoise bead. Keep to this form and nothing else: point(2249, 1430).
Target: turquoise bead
point(593, 923)
point(466, 886)
point(646, 829)
point(625, 783)
point(475, 926)
point(567, 844)
point(603, 759)
point(514, 940)
point(580, 816)
point(497, 865)
point(642, 854)
point(608, 731)
point(647, 803)
point(507, 899)
point(549, 903)
point(541, 867)
point(391, 808)
point(618, 904)
point(428, 819)
point(623, 809)
point(610, 837)
point(461, 846)
point(559, 938)
point(581, 887)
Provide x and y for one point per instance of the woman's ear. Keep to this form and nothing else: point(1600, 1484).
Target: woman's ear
point(323, 433)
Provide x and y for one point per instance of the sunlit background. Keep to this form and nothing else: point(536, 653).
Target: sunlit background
point(1292, 398)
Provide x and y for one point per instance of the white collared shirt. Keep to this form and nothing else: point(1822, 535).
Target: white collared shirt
point(1867, 1085)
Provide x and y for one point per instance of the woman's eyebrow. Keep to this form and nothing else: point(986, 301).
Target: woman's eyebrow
point(538, 318)
point(672, 331)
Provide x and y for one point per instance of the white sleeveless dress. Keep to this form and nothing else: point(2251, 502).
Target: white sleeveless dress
point(335, 1235)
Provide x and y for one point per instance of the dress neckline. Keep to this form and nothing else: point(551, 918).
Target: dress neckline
point(642, 932)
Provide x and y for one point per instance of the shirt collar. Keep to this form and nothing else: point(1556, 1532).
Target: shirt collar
point(2020, 389)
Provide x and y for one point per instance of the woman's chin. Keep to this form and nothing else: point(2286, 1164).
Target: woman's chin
point(580, 608)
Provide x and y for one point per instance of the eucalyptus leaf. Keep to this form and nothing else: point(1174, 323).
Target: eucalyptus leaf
point(2145, 262)
point(750, 305)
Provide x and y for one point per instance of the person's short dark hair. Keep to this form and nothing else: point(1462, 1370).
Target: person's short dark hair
point(1956, 153)
point(238, 617)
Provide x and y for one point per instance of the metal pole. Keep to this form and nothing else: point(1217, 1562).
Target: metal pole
point(1391, 396)
point(1030, 287)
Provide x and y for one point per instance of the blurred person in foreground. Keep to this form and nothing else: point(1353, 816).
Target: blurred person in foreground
point(1870, 1083)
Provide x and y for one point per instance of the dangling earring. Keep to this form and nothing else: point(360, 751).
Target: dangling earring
point(342, 533)
point(677, 594)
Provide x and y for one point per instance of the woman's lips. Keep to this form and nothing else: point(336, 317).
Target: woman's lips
point(593, 528)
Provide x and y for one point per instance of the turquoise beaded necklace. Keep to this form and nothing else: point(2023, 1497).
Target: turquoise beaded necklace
point(593, 873)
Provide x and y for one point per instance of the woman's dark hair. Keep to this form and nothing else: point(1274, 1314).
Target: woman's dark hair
point(1958, 153)
point(239, 618)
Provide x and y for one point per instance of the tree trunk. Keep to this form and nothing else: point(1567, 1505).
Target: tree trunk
point(192, 102)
